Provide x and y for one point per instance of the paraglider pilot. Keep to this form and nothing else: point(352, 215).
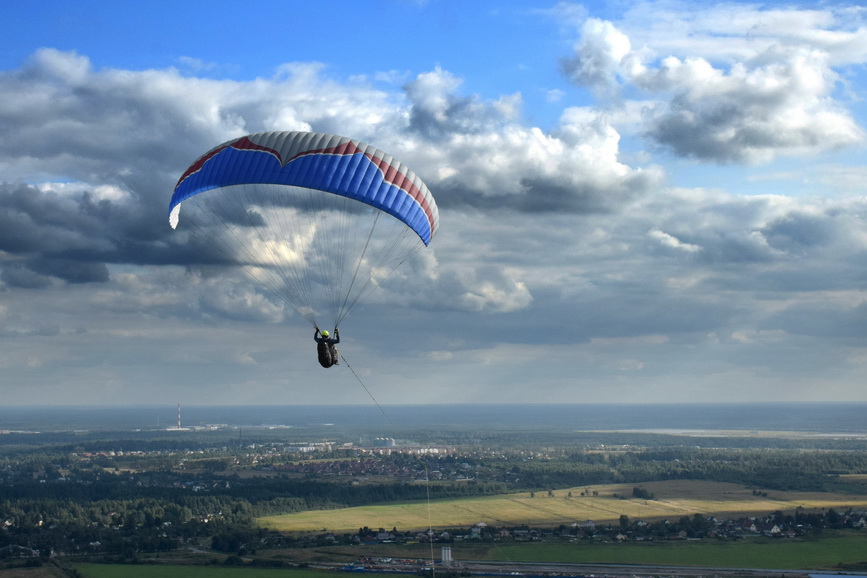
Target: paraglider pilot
point(328, 354)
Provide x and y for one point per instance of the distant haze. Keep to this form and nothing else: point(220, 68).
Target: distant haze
point(705, 419)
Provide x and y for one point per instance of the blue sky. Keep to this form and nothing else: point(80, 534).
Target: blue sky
point(477, 41)
point(652, 201)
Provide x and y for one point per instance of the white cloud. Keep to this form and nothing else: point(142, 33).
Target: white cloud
point(732, 31)
point(554, 95)
point(673, 242)
point(602, 53)
point(725, 95)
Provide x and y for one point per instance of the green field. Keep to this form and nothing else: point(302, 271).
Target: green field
point(167, 571)
point(673, 499)
point(834, 551)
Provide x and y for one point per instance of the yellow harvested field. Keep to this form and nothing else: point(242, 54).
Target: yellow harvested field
point(673, 500)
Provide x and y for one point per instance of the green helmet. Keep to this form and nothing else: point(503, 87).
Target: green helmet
point(324, 333)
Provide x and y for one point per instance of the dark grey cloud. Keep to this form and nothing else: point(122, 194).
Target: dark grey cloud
point(72, 236)
point(70, 271)
point(24, 277)
point(798, 233)
point(828, 320)
point(61, 118)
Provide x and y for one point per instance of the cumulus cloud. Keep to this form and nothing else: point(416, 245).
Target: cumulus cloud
point(551, 241)
point(483, 160)
point(240, 302)
point(131, 133)
point(125, 136)
point(777, 104)
point(485, 290)
point(602, 54)
point(96, 152)
point(760, 259)
point(747, 101)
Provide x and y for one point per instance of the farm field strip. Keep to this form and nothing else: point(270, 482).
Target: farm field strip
point(827, 553)
point(189, 571)
point(833, 549)
point(673, 500)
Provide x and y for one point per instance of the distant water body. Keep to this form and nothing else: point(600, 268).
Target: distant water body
point(849, 418)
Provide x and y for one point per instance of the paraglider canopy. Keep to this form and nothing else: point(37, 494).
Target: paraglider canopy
point(318, 219)
point(319, 161)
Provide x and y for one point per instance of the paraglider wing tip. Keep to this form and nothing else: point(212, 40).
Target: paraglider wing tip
point(174, 216)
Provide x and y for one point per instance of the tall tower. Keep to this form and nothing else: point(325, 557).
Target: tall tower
point(179, 416)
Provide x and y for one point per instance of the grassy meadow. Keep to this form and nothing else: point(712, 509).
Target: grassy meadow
point(839, 550)
point(674, 499)
point(184, 571)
